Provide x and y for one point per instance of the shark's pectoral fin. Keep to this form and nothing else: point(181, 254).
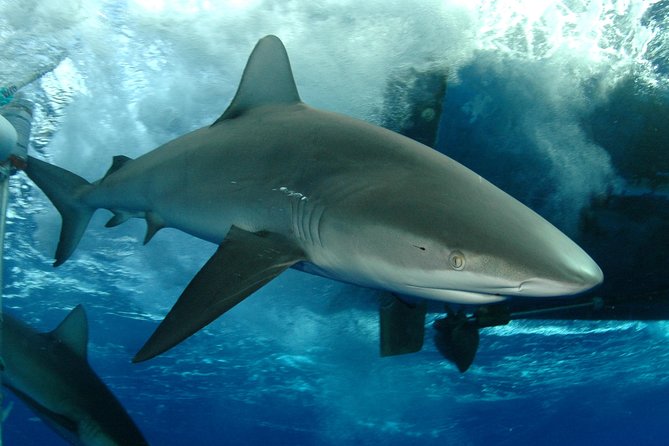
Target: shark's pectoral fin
point(402, 326)
point(243, 263)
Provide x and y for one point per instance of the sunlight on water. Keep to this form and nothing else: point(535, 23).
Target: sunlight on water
point(194, 6)
point(549, 328)
point(599, 31)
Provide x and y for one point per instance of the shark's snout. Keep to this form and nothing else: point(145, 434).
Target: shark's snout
point(574, 275)
point(586, 274)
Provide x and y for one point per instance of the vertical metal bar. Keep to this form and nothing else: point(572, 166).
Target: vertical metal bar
point(19, 114)
point(4, 194)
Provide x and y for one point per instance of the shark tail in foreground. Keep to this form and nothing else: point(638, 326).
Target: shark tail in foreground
point(63, 189)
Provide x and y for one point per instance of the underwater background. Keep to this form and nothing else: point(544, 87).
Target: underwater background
point(563, 104)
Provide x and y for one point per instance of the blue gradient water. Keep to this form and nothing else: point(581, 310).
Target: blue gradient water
point(297, 363)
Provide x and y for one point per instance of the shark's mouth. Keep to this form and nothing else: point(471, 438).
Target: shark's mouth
point(456, 296)
point(534, 287)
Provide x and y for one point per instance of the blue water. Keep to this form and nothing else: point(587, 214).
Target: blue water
point(553, 102)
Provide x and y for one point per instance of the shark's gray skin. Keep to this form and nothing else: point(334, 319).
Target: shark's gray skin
point(50, 373)
point(277, 184)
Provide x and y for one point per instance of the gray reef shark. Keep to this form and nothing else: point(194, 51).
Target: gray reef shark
point(50, 373)
point(278, 184)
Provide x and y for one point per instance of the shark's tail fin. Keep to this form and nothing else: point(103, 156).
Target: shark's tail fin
point(63, 189)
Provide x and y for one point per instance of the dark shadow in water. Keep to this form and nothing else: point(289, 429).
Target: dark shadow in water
point(628, 235)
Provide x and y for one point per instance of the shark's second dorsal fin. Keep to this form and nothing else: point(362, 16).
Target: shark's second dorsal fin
point(117, 162)
point(73, 331)
point(267, 79)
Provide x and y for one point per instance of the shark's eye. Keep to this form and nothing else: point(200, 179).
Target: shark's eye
point(457, 260)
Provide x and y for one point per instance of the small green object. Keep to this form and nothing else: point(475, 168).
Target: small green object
point(7, 94)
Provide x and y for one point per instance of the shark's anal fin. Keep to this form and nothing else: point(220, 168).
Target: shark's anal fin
point(244, 262)
point(63, 189)
point(402, 325)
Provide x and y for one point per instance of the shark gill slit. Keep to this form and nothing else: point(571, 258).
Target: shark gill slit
point(306, 220)
point(318, 211)
point(304, 216)
point(295, 219)
point(308, 215)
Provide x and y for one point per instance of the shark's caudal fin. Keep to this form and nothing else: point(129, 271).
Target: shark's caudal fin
point(267, 79)
point(63, 189)
point(243, 263)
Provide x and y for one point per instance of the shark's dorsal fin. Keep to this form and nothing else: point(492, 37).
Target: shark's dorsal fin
point(73, 331)
point(267, 79)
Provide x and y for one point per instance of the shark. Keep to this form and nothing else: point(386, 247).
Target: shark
point(50, 373)
point(277, 184)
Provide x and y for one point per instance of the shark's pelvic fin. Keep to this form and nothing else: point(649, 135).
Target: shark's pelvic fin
point(63, 188)
point(267, 79)
point(244, 262)
point(402, 326)
point(73, 331)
